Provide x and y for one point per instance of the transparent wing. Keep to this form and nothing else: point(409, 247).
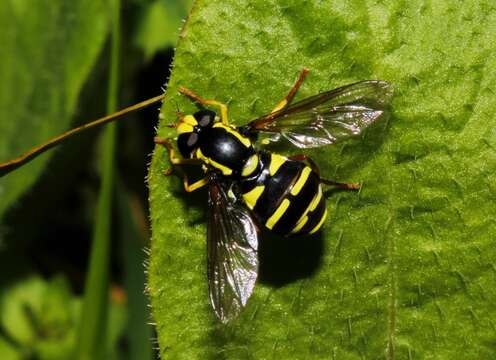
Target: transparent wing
point(232, 242)
point(328, 117)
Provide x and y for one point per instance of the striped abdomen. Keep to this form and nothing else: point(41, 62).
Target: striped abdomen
point(285, 196)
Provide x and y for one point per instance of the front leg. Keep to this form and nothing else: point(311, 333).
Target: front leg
point(180, 161)
point(172, 153)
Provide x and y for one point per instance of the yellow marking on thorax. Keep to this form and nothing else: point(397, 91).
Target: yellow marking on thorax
point(184, 128)
point(188, 122)
point(224, 169)
point(276, 162)
point(250, 166)
point(321, 222)
point(277, 214)
point(252, 196)
point(189, 119)
point(301, 181)
point(244, 140)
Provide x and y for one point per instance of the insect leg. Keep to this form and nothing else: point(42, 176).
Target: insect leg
point(187, 186)
point(172, 153)
point(222, 107)
point(353, 186)
point(196, 185)
point(179, 161)
point(287, 99)
point(315, 168)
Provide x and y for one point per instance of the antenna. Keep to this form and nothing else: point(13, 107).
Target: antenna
point(13, 164)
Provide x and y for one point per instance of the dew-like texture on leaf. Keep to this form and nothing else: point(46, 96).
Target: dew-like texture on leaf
point(46, 53)
point(403, 269)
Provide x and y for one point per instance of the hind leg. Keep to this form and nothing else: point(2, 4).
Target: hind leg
point(315, 168)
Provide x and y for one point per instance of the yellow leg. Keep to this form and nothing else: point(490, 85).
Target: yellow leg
point(287, 99)
point(179, 161)
point(172, 153)
point(196, 185)
point(222, 107)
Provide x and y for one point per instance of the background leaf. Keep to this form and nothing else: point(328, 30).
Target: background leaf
point(39, 319)
point(159, 24)
point(48, 49)
point(404, 268)
point(95, 312)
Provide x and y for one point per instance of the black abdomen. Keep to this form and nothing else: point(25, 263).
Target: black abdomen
point(286, 196)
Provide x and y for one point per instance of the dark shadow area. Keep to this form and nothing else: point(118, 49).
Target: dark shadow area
point(191, 200)
point(284, 260)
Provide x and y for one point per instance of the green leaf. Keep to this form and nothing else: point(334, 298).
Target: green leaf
point(39, 319)
point(8, 351)
point(404, 268)
point(47, 52)
point(17, 306)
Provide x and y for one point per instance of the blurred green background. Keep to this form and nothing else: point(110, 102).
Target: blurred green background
point(404, 269)
point(62, 64)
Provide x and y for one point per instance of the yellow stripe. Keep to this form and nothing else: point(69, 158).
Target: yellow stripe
point(301, 180)
point(225, 170)
point(313, 205)
point(318, 226)
point(300, 224)
point(316, 200)
point(276, 162)
point(252, 196)
point(277, 214)
point(244, 140)
point(250, 166)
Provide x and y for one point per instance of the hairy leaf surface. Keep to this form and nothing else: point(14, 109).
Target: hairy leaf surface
point(405, 267)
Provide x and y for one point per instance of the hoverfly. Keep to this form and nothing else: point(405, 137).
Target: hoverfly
point(251, 188)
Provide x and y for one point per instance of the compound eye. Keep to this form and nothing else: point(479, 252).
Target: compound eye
point(187, 143)
point(205, 118)
point(192, 139)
